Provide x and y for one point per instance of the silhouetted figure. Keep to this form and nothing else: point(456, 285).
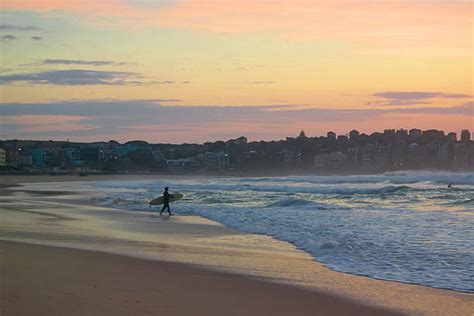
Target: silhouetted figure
point(449, 186)
point(166, 201)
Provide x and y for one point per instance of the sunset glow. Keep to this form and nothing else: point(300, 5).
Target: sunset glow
point(193, 71)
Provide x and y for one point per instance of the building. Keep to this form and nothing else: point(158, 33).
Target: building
point(331, 160)
point(284, 156)
point(433, 135)
point(461, 155)
point(158, 156)
point(382, 155)
point(121, 152)
point(415, 133)
point(452, 137)
point(443, 154)
point(3, 157)
point(331, 136)
point(73, 156)
point(367, 156)
point(470, 152)
point(242, 140)
point(342, 138)
point(54, 157)
point(183, 165)
point(465, 136)
point(354, 135)
point(105, 153)
point(401, 133)
point(217, 160)
point(90, 154)
point(26, 158)
point(38, 157)
point(389, 133)
point(414, 155)
point(301, 136)
point(13, 156)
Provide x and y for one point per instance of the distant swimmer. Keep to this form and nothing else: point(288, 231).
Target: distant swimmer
point(166, 201)
point(450, 186)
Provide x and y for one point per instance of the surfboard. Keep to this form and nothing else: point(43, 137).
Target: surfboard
point(159, 200)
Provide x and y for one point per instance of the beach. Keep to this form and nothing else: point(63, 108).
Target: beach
point(41, 280)
point(63, 254)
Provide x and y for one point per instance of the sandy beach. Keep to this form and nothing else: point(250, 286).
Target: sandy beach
point(40, 280)
point(63, 255)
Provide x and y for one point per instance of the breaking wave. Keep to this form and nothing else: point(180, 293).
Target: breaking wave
point(364, 225)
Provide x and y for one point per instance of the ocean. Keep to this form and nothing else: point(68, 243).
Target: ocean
point(402, 226)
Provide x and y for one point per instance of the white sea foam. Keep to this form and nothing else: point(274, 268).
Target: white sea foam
point(404, 226)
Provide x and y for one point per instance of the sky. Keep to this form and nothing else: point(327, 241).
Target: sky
point(194, 71)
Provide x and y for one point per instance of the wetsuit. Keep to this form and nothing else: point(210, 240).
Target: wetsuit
point(166, 202)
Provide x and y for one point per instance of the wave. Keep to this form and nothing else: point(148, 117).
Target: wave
point(371, 224)
point(462, 202)
point(286, 202)
point(223, 187)
point(394, 177)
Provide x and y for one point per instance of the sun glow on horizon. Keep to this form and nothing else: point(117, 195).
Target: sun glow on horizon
point(400, 63)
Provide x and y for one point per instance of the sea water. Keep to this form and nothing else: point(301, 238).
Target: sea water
point(404, 226)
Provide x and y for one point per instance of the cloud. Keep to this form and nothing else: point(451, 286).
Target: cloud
point(46, 123)
point(74, 77)
point(150, 119)
point(19, 28)
point(466, 109)
point(397, 102)
point(36, 38)
point(368, 26)
point(152, 111)
point(260, 82)
point(7, 37)
point(81, 62)
point(418, 95)
point(412, 97)
point(164, 82)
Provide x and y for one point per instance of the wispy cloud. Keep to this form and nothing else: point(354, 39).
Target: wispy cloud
point(368, 25)
point(260, 82)
point(81, 62)
point(412, 97)
point(18, 28)
point(7, 38)
point(150, 119)
point(419, 95)
point(152, 111)
point(74, 77)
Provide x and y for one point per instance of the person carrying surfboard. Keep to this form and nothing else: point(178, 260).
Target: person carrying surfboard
point(166, 201)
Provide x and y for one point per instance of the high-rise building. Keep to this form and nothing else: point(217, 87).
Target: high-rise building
point(402, 133)
point(414, 132)
point(465, 135)
point(331, 136)
point(452, 137)
point(353, 135)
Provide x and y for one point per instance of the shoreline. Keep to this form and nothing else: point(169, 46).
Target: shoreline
point(373, 291)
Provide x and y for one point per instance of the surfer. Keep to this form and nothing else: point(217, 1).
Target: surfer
point(450, 186)
point(166, 201)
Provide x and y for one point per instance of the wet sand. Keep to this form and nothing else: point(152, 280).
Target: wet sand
point(182, 265)
point(42, 280)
